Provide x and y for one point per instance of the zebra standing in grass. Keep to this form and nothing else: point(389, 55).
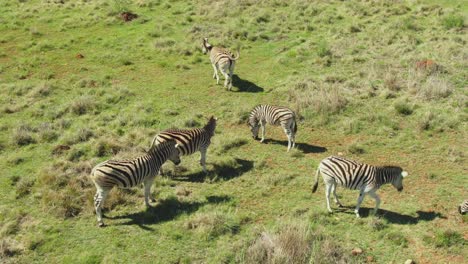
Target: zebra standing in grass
point(190, 140)
point(130, 173)
point(357, 176)
point(221, 59)
point(463, 207)
point(273, 115)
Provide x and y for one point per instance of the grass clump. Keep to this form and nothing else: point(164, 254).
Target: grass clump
point(24, 187)
point(232, 144)
point(320, 98)
point(295, 243)
point(214, 224)
point(82, 105)
point(448, 238)
point(23, 135)
point(403, 108)
point(323, 48)
point(356, 148)
point(453, 21)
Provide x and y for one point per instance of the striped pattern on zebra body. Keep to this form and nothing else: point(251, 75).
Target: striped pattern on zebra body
point(131, 173)
point(357, 176)
point(463, 207)
point(273, 115)
point(223, 60)
point(190, 141)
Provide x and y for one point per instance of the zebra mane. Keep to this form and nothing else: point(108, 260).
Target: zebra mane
point(158, 147)
point(211, 125)
point(207, 45)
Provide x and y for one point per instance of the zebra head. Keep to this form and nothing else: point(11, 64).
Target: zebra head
point(211, 126)
point(398, 175)
point(174, 154)
point(254, 127)
point(206, 46)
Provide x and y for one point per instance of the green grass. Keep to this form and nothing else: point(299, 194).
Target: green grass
point(349, 69)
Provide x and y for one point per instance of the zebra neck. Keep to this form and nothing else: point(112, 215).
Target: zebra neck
point(157, 158)
point(382, 176)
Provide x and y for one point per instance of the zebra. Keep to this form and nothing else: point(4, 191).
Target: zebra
point(130, 173)
point(190, 140)
point(273, 115)
point(357, 176)
point(463, 207)
point(221, 59)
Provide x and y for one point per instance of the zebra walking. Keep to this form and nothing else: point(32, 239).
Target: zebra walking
point(130, 173)
point(357, 176)
point(190, 141)
point(463, 207)
point(273, 115)
point(221, 59)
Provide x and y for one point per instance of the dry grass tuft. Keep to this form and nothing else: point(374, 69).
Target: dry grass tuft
point(320, 97)
point(213, 224)
point(295, 243)
point(23, 136)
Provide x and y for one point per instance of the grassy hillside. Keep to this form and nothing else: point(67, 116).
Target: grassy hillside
point(384, 83)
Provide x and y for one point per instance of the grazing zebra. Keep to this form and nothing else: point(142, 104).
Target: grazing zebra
point(130, 173)
point(190, 140)
point(221, 59)
point(357, 176)
point(273, 115)
point(463, 207)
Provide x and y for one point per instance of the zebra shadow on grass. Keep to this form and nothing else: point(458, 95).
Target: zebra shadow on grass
point(304, 147)
point(166, 210)
point(245, 85)
point(221, 171)
point(394, 217)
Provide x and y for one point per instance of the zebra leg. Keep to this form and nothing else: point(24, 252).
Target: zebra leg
point(226, 78)
point(215, 74)
point(262, 125)
point(359, 201)
point(203, 159)
point(289, 135)
point(100, 197)
point(377, 201)
point(336, 197)
point(231, 72)
point(147, 186)
point(327, 195)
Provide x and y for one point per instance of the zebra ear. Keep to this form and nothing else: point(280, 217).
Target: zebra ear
point(404, 174)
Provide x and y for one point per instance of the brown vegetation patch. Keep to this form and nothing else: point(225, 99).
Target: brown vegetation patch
point(59, 149)
point(128, 16)
point(79, 56)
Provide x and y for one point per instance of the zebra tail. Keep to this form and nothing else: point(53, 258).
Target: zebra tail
point(314, 189)
point(295, 126)
point(236, 57)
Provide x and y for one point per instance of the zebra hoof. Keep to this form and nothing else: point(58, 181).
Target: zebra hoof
point(153, 200)
point(101, 224)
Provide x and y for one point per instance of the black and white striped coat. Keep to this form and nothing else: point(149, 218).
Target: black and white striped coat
point(131, 173)
point(273, 115)
point(190, 141)
point(357, 176)
point(223, 60)
point(463, 207)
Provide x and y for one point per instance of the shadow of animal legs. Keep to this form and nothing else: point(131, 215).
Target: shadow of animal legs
point(245, 86)
point(304, 147)
point(225, 170)
point(397, 218)
point(166, 210)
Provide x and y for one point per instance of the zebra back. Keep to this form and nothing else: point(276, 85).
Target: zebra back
point(219, 55)
point(130, 173)
point(274, 115)
point(188, 140)
point(355, 175)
